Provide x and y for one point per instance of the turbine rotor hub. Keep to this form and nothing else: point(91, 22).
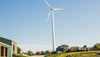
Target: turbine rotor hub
point(52, 8)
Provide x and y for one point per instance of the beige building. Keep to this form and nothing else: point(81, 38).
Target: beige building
point(7, 47)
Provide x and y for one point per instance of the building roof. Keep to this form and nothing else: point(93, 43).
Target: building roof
point(8, 39)
point(74, 47)
point(4, 44)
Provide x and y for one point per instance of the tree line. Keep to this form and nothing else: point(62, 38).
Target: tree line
point(63, 49)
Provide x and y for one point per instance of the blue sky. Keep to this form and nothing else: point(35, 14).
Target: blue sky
point(25, 22)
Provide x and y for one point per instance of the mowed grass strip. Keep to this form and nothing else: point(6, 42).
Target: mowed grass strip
point(77, 54)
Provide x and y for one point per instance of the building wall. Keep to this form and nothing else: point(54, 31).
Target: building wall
point(9, 52)
point(12, 45)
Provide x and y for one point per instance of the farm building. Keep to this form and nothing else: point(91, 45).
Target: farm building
point(75, 47)
point(7, 47)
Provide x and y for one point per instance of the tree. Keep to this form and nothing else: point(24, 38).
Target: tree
point(96, 47)
point(42, 53)
point(35, 54)
point(85, 46)
point(62, 48)
point(38, 53)
point(18, 50)
point(47, 52)
point(30, 53)
point(25, 53)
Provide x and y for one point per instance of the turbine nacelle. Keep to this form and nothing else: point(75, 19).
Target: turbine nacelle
point(52, 8)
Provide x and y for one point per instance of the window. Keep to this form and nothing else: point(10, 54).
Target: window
point(2, 50)
point(13, 48)
point(6, 51)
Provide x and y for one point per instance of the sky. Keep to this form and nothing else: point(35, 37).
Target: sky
point(24, 21)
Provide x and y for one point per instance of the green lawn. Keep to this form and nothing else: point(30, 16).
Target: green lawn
point(77, 54)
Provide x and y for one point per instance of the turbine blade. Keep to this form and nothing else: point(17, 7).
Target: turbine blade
point(47, 4)
point(58, 9)
point(48, 16)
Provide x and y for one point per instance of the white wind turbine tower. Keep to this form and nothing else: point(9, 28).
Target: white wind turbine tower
point(52, 17)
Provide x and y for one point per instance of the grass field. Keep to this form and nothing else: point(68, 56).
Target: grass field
point(77, 54)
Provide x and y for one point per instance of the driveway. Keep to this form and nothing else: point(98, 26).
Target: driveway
point(37, 56)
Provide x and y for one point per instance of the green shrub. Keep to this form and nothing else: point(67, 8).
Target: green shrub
point(18, 55)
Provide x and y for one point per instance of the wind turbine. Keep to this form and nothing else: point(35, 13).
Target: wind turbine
point(52, 17)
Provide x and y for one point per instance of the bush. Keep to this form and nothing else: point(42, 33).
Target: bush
point(38, 53)
point(18, 55)
point(58, 52)
point(30, 53)
point(47, 52)
point(73, 50)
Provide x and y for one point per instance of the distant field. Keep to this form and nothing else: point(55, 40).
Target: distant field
point(77, 54)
